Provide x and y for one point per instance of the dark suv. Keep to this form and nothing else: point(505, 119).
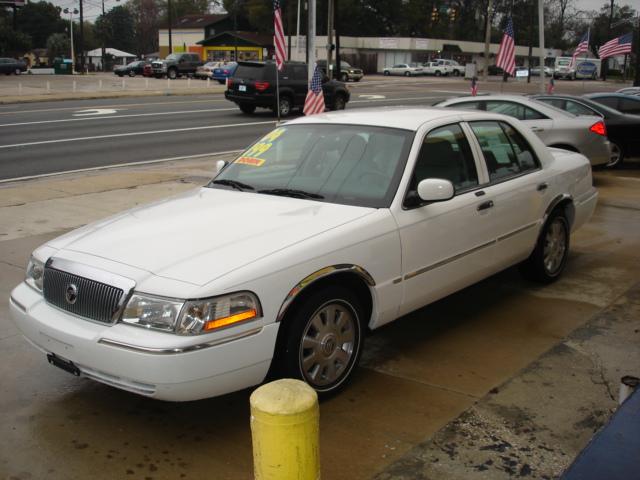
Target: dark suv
point(254, 85)
point(176, 64)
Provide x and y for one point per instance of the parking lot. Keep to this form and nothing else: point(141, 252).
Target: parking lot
point(417, 375)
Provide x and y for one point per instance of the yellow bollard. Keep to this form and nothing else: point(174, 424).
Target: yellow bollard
point(285, 431)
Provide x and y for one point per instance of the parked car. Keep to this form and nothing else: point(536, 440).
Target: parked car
point(403, 69)
point(347, 72)
point(206, 71)
point(618, 101)
point(176, 65)
point(535, 71)
point(224, 71)
point(629, 90)
point(556, 128)
point(11, 65)
point(452, 67)
point(622, 129)
point(254, 86)
point(326, 227)
point(131, 69)
point(433, 68)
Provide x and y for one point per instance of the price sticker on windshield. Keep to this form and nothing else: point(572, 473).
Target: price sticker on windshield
point(253, 161)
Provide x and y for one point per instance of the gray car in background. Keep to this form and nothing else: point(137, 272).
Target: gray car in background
point(556, 128)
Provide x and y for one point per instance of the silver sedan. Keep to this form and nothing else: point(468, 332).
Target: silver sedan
point(403, 69)
point(555, 127)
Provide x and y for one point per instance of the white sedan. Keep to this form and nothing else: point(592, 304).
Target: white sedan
point(404, 69)
point(328, 226)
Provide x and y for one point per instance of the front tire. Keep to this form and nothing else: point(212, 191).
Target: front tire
point(172, 73)
point(339, 103)
point(407, 74)
point(323, 339)
point(386, 73)
point(18, 71)
point(438, 73)
point(132, 73)
point(344, 77)
point(548, 259)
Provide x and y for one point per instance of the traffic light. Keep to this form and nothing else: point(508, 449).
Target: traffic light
point(453, 13)
point(434, 15)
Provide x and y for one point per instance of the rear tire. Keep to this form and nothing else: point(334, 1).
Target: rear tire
point(132, 73)
point(172, 73)
point(438, 73)
point(407, 74)
point(339, 103)
point(285, 107)
point(456, 73)
point(386, 72)
point(549, 257)
point(322, 340)
point(17, 71)
point(617, 156)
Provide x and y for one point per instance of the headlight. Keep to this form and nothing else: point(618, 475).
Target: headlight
point(191, 317)
point(35, 273)
point(201, 316)
point(152, 312)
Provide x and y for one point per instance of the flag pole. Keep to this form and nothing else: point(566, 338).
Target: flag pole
point(541, 42)
point(278, 96)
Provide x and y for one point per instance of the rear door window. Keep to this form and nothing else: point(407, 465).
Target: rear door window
point(505, 151)
point(516, 110)
point(579, 109)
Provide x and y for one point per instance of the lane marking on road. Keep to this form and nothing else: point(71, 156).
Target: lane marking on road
point(133, 134)
point(84, 119)
point(61, 109)
point(371, 97)
point(95, 111)
point(118, 165)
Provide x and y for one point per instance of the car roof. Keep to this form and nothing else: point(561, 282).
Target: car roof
point(548, 109)
point(405, 118)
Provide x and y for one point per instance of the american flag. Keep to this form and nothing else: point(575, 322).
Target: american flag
point(617, 46)
point(552, 85)
point(278, 37)
point(582, 47)
point(314, 103)
point(474, 86)
point(507, 51)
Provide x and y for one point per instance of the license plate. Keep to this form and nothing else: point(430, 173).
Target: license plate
point(242, 88)
point(65, 365)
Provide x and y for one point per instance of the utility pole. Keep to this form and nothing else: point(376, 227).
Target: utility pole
point(636, 81)
point(289, 24)
point(311, 39)
point(81, 39)
point(298, 31)
point(605, 62)
point(170, 22)
point(71, 13)
point(541, 42)
point(103, 45)
point(235, 31)
point(330, 40)
point(487, 41)
point(336, 31)
point(530, 58)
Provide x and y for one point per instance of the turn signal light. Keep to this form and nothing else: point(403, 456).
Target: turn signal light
point(261, 86)
point(230, 320)
point(599, 128)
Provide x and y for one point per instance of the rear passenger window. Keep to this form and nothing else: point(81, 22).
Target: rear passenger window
point(515, 110)
point(579, 109)
point(505, 151)
point(446, 154)
point(468, 105)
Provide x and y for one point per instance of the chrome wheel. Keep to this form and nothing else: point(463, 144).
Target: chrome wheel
point(555, 247)
point(616, 156)
point(329, 344)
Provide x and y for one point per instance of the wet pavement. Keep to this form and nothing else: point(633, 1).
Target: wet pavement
point(425, 378)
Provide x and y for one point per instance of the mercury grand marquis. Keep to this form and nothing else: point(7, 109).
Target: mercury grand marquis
point(326, 227)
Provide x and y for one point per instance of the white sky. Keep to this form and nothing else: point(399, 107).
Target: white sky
point(93, 8)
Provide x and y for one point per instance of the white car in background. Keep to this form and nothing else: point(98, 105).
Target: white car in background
point(555, 127)
point(404, 69)
point(452, 67)
point(328, 226)
point(433, 68)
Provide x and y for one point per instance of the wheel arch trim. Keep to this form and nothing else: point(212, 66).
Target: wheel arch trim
point(320, 274)
point(563, 197)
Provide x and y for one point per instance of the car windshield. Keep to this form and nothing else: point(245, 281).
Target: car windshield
point(345, 164)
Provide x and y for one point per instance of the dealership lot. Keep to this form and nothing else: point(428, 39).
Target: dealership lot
point(417, 375)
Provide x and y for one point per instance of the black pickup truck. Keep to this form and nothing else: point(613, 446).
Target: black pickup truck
point(176, 64)
point(254, 85)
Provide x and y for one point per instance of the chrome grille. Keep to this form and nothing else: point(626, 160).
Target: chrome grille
point(94, 300)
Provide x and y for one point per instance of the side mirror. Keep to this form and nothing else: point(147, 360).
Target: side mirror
point(220, 164)
point(435, 190)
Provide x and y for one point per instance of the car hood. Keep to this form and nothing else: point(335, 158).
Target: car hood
point(202, 235)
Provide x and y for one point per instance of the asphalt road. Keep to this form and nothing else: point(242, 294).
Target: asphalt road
point(49, 137)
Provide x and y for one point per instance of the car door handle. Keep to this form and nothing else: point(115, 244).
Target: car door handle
point(485, 205)
point(537, 129)
point(542, 186)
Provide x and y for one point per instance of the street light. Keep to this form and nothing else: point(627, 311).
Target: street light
point(71, 13)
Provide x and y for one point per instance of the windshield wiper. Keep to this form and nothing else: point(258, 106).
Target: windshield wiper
point(290, 192)
point(233, 183)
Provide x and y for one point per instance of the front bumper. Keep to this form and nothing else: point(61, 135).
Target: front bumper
point(146, 363)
